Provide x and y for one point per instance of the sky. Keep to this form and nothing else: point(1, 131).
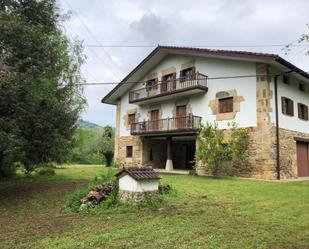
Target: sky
point(223, 24)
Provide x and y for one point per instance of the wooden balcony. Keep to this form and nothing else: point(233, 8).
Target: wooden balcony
point(197, 83)
point(180, 125)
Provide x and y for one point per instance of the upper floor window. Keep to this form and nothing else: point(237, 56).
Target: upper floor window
point(226, 105)
point(187, 74)
point(286, 79)
point(301, 87)
point(168, 82)
point(302, 111)
point(151, 84)
point(131, 118)
point(287, 106)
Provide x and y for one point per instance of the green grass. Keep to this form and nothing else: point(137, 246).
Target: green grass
point(206, 213)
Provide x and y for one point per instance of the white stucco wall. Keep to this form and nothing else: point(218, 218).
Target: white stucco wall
point(291, 91)
point(245, 87)
point(130, 184)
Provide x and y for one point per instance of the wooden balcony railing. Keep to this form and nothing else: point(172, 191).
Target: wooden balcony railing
point(177, 124)
point(197, 80)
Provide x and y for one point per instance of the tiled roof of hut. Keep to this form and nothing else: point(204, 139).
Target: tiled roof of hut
point(139, 173)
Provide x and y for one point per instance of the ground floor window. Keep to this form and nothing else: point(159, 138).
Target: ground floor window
point(129, 151)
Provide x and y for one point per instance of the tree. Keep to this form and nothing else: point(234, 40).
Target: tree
point(106, 144)
point(40, 98)
point(304, 38)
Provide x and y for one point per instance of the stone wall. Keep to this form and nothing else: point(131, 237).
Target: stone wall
point(262, 141)
point(288, 153)
point(136, 196)
point(137, 157)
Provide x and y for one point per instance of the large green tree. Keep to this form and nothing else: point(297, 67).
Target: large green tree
point(40, 94)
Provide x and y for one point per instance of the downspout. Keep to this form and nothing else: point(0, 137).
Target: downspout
point(277, 128)
point(278, 168)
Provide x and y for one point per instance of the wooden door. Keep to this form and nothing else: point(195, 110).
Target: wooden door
point(181, 116)
point(154, 120)
point(302, 159)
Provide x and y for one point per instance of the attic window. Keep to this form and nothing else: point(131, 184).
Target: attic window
point(287, 106)
point(301, 87)
point(226, 105)
point(302, 111)
point(129, 151)
point(286, 79)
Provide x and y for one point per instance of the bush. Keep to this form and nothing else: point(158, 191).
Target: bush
point(46, 171)
point(73, 201)
point(220, 157)
point(165, 189)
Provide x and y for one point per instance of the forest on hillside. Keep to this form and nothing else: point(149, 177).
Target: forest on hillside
point(92, 144)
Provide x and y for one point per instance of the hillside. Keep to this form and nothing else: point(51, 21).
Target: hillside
point(86, 124)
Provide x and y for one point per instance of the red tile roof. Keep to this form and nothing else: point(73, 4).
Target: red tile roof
point(139, 173)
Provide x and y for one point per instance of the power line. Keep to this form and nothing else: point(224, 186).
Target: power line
point(209, 78)
point(195, 46)
point(94, 37)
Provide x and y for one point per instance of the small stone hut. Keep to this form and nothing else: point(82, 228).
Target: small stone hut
point(135, 182)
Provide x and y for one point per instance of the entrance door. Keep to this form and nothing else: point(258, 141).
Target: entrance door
point(154, 120)
point(190, 156)
point(302, 159)
point(181, 116)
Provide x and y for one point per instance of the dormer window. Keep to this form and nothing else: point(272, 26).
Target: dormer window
point(187, 74)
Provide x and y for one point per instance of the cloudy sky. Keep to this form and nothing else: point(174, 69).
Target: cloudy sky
point(224, 24)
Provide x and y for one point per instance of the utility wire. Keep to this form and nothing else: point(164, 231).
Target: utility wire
point(95, 38)
point(195, 46)
point(209, 78)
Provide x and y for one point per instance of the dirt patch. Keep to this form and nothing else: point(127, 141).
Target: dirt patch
point(34, 208)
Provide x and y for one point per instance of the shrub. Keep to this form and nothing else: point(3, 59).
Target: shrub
point(212, 151)
point(238, 145)
point(46, 171)
point(73, 201)
point(220, 157)
point(165, 189)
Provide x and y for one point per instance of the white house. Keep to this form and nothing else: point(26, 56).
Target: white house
point(163, 101)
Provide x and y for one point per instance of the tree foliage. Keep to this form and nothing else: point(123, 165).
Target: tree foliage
point(106, 144)
point(93, 146)
point(220, 157)
point(40, 98)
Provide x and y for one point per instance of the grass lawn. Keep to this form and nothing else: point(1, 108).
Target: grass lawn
point(206, 213)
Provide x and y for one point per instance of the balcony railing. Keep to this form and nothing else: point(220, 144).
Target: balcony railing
point(169, 125)
point(196, 81)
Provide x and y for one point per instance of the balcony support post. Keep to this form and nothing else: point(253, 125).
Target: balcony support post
point(169, 161)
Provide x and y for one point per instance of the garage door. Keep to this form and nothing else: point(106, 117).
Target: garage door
point(302, 159)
